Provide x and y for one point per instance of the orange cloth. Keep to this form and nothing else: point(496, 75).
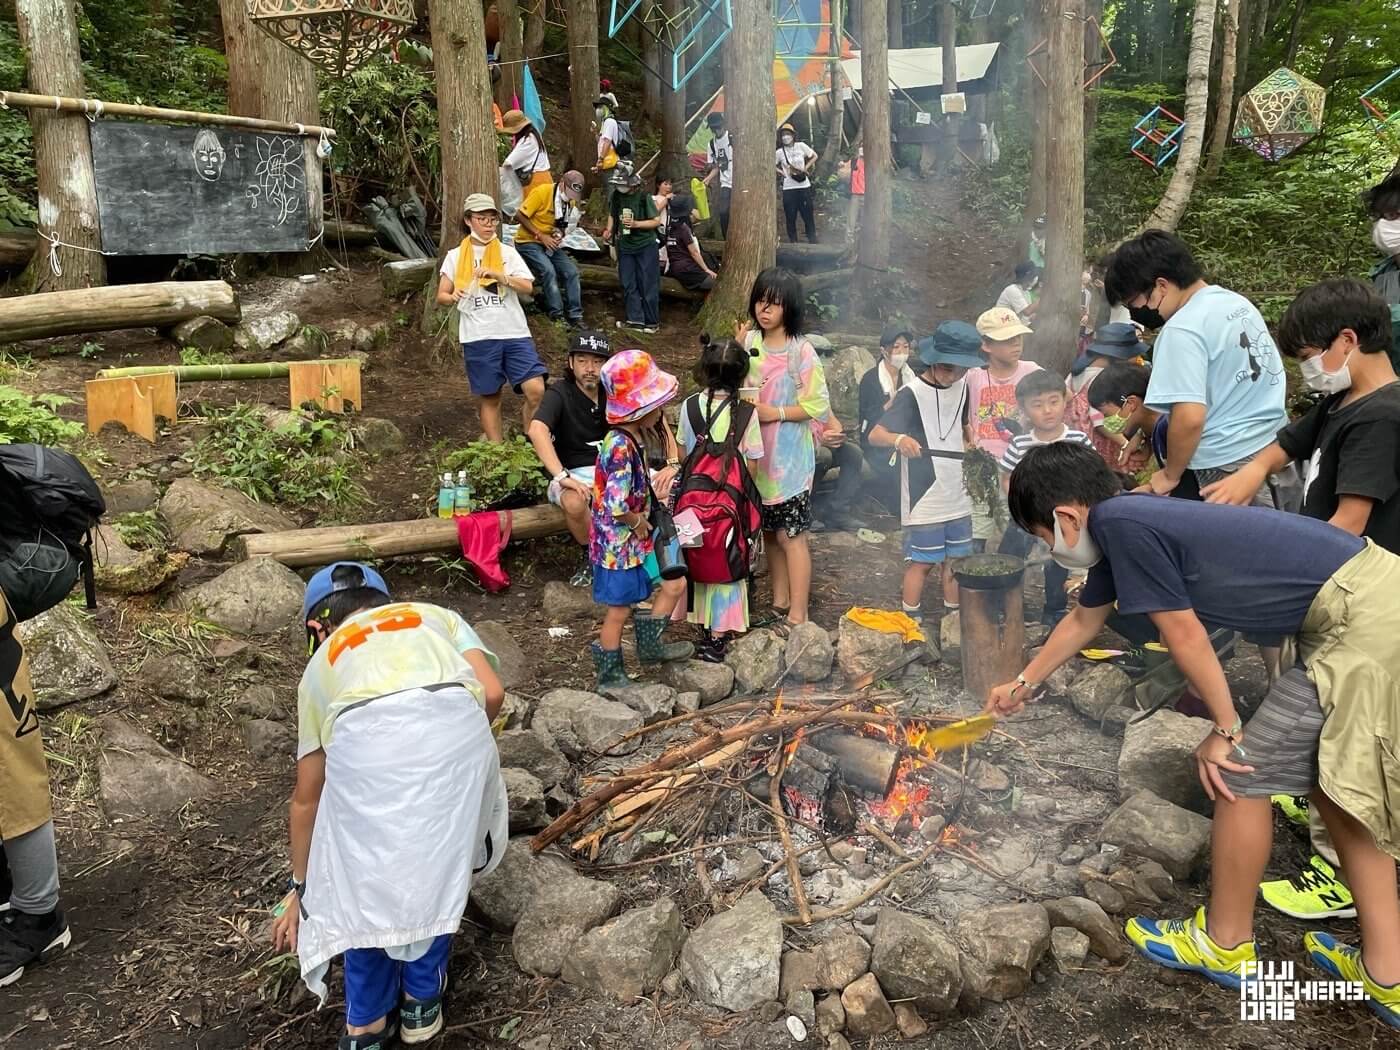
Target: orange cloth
point(887, 622)
point(492, 259)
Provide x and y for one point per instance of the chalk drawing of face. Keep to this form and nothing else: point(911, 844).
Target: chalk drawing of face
point(208, 156)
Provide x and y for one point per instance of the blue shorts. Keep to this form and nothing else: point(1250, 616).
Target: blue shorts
point(933, 544)
point(621, 587)
point(492, 363)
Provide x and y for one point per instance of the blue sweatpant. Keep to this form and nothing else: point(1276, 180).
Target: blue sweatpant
point(640, 276)
point(375, 983)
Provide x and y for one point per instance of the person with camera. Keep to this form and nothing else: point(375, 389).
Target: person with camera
point(795, 163)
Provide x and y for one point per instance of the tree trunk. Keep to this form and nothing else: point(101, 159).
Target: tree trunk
point(836, 118)
point(1327, 73)
point(1173, 203)
point(753, 217)
point(1248, 9)
point(512, 84)
point(1224, 111)
point(243, 47)
point(652, 86)
point(535, 22)
point(48, 32)
point(1057, 317)
point(874, 248)
point(1035, 106)
point(582, 23)
point(1295, 30)
point(895, 22)
point(673, 154)
point(948, 38)
point(1093, 56)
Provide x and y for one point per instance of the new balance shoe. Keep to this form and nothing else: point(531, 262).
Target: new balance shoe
point(1183, 944)
point(27, 940)
point(1314, 894)
point(420, 1020)
point(1344, 962)
point(370, 1040)
point(1295, 808)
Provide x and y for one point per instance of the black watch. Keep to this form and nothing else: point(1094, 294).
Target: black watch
point(299, 888)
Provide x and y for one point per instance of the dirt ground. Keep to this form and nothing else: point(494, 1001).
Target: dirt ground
point(169, 920)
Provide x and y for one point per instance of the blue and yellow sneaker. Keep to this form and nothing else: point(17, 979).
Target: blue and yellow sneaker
point(1183, 944)
point(1344, 963)
point(1315, 894)
point(1293, 807)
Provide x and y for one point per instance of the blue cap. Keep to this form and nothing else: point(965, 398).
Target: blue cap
point(952, 343)
point(322, 586)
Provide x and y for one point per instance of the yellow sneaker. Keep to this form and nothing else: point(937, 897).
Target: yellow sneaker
point(1315, 894)
point(1344, 963)
point(1294, 807)
point(1183, 944)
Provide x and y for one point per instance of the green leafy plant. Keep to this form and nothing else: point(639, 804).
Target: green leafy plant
point(140, 529)
point(982, 480)
point(497, 471)
point(26, 418)
point(90, 350)
point(192, 355)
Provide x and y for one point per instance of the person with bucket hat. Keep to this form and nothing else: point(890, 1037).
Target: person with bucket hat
point(1111, 343)
point(795, 161)
point(621, 538)
point(484, 279)
point(399, 802)
point(527, 158)
point(720, 168)
point(540, 242)
point(631, 227)
point(929, 427)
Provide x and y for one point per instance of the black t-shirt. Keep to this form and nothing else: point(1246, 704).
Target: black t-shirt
point(904, 417)
point(679, 238)
point(576, 423)
point(1247, 568)
point(872, 402)
point(1352, 450)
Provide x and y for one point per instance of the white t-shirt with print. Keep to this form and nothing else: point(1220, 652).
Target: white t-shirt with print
point(493, 313)
point(722, 155)
point(795, 158)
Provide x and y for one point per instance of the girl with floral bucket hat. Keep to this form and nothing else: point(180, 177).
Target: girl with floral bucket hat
point(620, 538)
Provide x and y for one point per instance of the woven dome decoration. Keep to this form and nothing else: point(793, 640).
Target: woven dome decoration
point(337, 35)
point(1279, 114)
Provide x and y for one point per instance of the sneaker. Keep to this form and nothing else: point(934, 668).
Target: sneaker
point(1183, 944)
point(1314, 894)
point(420, 1020)
point(29, 939)
point(1294, 807)
point(370, 1040)
point(1344, 962)
point(584, 576)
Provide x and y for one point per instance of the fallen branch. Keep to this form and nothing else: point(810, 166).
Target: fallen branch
point(804, 910)
point(877, 889)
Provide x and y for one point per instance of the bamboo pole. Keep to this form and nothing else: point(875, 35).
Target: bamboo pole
point(215, 373)
point(94, 107)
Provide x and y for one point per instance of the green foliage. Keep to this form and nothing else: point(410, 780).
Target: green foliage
point(497, 471)
point(89, 350)
point(982, 480)
point(304, 462)
point(17, 176)
point(386, 124)
point(192, 355)
point(15, 366)
point(141, 530)
point(25, 418)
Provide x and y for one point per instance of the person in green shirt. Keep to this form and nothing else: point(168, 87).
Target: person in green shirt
point(631, 228)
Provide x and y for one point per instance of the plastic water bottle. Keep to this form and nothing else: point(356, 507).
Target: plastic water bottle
point(463, 495)
point(447, 495)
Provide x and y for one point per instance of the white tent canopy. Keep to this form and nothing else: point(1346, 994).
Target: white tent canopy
point(922, 67)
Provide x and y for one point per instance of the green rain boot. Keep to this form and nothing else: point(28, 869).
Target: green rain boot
point(650, 648)
point(608, 664)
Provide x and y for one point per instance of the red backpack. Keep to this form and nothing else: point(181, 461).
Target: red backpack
point(716, 484)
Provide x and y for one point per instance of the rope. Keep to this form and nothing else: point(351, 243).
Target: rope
point(55, 244)
point(538, 58)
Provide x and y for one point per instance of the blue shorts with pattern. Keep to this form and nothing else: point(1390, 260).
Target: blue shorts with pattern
point(934, 544)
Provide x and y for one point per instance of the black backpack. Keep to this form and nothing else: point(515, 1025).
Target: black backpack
point(49, 505)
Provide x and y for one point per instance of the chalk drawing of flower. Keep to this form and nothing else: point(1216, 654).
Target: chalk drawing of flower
point(279, 179)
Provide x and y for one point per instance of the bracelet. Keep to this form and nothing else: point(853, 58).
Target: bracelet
point(299, 888)
point(560, 476)
point(782, 413)
point(1023, 683)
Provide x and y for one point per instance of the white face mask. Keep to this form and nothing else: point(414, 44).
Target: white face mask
point(1385, 235)
point(898, 361)
point(1085, 553)
point(1316, 376)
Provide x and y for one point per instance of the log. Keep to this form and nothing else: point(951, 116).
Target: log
point(867, 765)
point(302, 547)
point(604, 279)
point(17, 248)
point(408, 275)
point(120, 306)
point(351, 234)
point(841, 340)
point(820, 282)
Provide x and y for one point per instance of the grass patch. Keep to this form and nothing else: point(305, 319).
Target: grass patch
point(170, 631)
point(141, 530)
point(71, 748)
point(192, 355)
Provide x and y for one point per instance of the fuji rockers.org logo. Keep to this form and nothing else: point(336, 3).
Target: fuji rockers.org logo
point(1269, 991)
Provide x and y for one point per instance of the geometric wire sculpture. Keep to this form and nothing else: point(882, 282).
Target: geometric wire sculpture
point(1279, 114)
point(1386, 125)
point(1093, 71)
point(337, 35)
point(1157, 136)
point(675, 37)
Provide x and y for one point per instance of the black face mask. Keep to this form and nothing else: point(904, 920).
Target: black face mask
point(1146, 316)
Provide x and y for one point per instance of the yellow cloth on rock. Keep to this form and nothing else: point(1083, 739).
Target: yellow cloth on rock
point(493, 259)
point(887, 622)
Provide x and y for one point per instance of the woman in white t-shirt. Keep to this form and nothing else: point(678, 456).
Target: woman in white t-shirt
point(1016, 296)
point(527, 157)
point(795, 163)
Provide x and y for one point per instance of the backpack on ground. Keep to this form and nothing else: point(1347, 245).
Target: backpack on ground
point(716, 485)
point(49, 505)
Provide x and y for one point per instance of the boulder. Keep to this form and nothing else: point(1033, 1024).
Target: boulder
point(378, 437)
point(1058, 681)
point(598, 724)
point(861, 651)
point(803, 1006)
point(130, 497)
point(67, 660)
point(256, 701)
point(1155, 877)
point(868, 1013)
point(687, 703)
point(1151, 827)
point(831, 1015)
point(757, 661)
point(557, 914)
point(844, 370)
point(829, 966)
point(109, 550)
point(915, 959)
point(712, 681)
point(553, 718)
point(1069, 947)
point(203, 518)
point(1098, 689)
point(139, 779)
point(260, 334)
point(260, 596)
point(732, 960)
point(516, 710)
point(1159, 755)
point(1008, 941)
point(1107, 897)
point(931, 828)
point(270, 741)
point(562, 602)
point(502, 896)
point(207, 334)
point(1090, 919)
point(809, 653)
point(910, 1024)
point(524, 750)
point(652, 702)
point(140, 573)
point(525, 794)
point(513, 668)
point(174, 676)
point(629, 956)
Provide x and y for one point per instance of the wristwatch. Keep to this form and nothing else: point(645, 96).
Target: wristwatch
point(561, 476)
point(299, 888)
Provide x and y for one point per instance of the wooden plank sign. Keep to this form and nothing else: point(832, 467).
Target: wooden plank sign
point(164, 189)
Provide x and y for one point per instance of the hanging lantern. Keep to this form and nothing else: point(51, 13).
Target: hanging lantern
point(1279, 114)
point(337, 35)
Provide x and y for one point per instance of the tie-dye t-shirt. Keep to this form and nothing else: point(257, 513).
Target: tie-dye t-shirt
point(791, 376)
point(620, 486)
point(993, 403)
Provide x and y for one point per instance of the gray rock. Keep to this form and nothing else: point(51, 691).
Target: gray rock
point(599, 723)
point(829, 966)
point(1090, 919)
point(553, 718)
point(203, 518)
point(502, 896)
point(1069, 947)
point(932, 827)
point(526, 796)
point(861, 652)
point(809, 653)
point(256, 701)
point(868, 1013)
point(687, 703)
point(950, 634)
point(844, 370)
point(378, 437)
point(121, 570)
point(1159, 755)
point(259, 596)
point(837, 1041)
point(652, 702)
point(1098, 689)
point(915, 959)
point(712, 681)
point(1150, 827)
point(1107, 897)
point(1073, 853)
point(803, 1006)
point(1134, 890)
point(1008, 941)
point(910, 1024)
point(732, 960)
point(516, 710)
point(558, 913)
point(140, 779)
point(261, 334)
point(1058, 681)
point(989, 777)
point(515, 669)
point(562, 602)
point(1115, 720)
point(749, 865)
point(831, 1015)
point(673, 984)
point(270, 741)
point(67, 660)
point(208, 334)
point(1155, 877)
point(130, 497)
point(174, 676)
point(522, 749)
point(629, 956)
point(757, 660)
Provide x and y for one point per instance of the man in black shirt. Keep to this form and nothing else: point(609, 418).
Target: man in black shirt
point(565, 431)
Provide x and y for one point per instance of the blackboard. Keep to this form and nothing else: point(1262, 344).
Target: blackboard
point(175, 190)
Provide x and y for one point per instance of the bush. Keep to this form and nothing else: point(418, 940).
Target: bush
point(386, 128)
point(32, 419)
point(499, 473)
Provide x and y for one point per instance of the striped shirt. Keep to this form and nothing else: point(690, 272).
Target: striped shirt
point(1022, 442)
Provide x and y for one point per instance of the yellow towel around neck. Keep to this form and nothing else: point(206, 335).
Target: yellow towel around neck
point(492, 259)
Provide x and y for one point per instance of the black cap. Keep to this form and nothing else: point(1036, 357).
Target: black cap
point(893, 331)
point(715, 119)
point(591, 342)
